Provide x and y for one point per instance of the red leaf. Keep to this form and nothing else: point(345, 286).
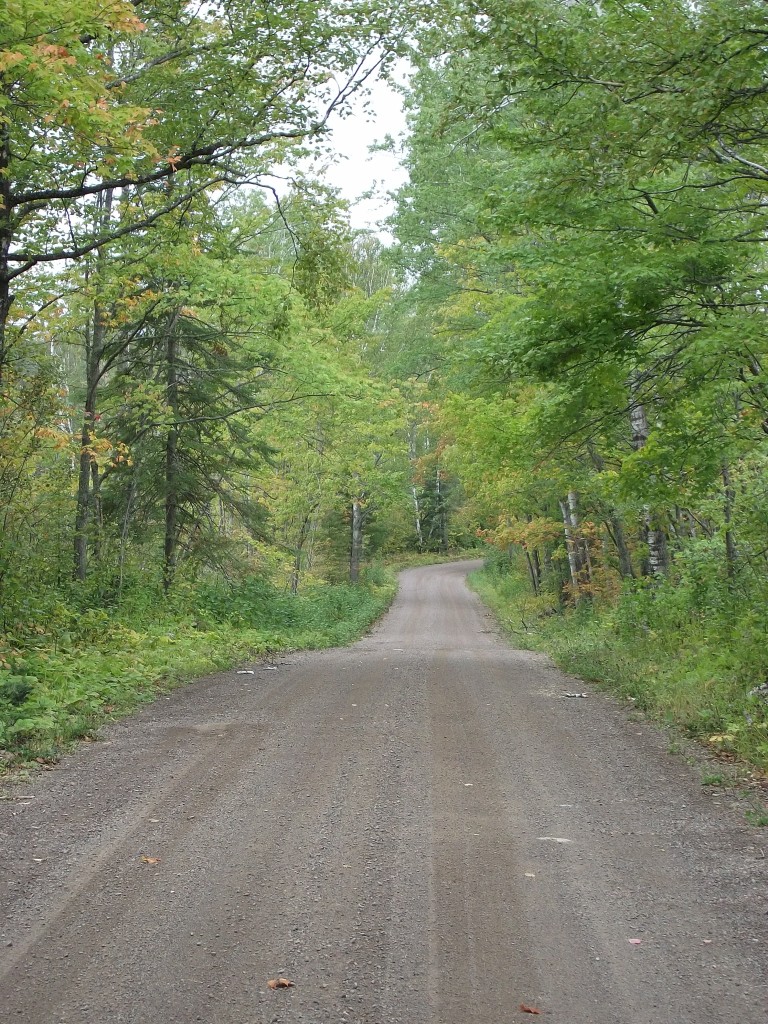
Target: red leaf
point(528, 1009)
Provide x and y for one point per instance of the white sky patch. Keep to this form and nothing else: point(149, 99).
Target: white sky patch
point(346, 163)
point(356, 171)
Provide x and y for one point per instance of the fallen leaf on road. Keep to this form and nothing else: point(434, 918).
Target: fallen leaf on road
point(151, 860)
point(528, 1009)
point(280, 983)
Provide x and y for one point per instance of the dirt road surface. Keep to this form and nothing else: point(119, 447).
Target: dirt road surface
point(420, 829)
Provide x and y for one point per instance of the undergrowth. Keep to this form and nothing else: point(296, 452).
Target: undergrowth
point(61, 678)
point(686, 651)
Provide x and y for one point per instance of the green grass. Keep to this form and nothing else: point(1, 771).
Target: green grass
point(714, 779)
point(58, 684)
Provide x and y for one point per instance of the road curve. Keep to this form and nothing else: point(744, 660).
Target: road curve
point(419, 829)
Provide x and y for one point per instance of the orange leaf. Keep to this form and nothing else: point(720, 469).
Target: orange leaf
point(280, 983)
point(151, 860)
point(528, 1009)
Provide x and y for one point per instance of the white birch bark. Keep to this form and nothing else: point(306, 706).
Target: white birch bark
point(570, 547)
point(654, 536)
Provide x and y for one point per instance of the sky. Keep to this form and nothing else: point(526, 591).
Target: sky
point(355, 170)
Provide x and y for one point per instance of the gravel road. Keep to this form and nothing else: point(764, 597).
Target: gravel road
point(420, 829)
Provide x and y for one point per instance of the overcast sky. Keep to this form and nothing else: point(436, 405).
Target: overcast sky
point(356, 171)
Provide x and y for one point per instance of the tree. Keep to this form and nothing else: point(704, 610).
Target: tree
point(608, 243)
point(161, 102)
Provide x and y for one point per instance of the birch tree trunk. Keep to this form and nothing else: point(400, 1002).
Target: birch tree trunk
point(570, 547)
point(583, 557)
point(414, 491)
point(442, 513)
point(417, 518)
point(652, 533)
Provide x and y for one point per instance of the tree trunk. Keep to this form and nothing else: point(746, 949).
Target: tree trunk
point(83, 510)
point(658, 552)
point(442, 513)
point(613, 523)
point(534, 564)
point(417, 518)
point(731, 554)
point(170, 546)
point(414, 491)
point(652, 532)
point(536, 560)
point(616, 533)
point(570, 547)
point(88, 476)
point(532, 571)
point(356, 545)
point(6, 236)
point(582, 547)
point(87, 470)
point(298, 551)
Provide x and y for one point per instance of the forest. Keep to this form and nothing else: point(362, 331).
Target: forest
point(226, 415)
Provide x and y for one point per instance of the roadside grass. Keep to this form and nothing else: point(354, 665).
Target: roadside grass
point(60, 681)
point(692, 671)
